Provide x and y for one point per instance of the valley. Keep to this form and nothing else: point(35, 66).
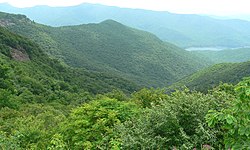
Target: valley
point(101, 77)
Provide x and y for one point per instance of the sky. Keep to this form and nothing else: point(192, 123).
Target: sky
point(211, 7)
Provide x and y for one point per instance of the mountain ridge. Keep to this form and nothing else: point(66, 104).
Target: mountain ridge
point(185, 30)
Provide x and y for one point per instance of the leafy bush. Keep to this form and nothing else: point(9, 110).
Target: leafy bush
point(91, 125)
point(177, 121)
point(234, 120)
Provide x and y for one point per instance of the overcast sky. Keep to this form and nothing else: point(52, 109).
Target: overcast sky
point(212, 7)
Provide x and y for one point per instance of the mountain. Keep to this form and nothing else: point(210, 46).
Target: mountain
point(25, 68)
point(228, 55)
point(243, 16)
point(184, 30)
point(211, 77)
point(110, 47)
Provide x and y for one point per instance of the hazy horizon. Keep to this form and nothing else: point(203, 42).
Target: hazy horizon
point(206, 7)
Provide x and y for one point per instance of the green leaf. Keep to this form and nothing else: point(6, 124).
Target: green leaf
point(210, 122)
point(242, 130)
point(229, 119)
point(237, 146)
point(248, 92)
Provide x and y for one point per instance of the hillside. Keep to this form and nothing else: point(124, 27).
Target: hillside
point(43, 107)
point(25, 68)
point(211, 77)
point(111, 47)
point(228, 55)
point(183, 30)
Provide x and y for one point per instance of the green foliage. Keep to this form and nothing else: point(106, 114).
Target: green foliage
point(177, 120)
point(5, 83)
point(118, 95)
point(211, 77)
point(225, 56)
point(4, 71)
point(148, 97)
point(31, 127)
point(234, 120)
point(8, 143)
point(57, 143)
point(6, 99)
point(91, 125)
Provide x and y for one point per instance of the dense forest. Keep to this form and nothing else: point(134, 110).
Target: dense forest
point(212, 76)
point(111, 47)
point(225, 56)
point(71, 88)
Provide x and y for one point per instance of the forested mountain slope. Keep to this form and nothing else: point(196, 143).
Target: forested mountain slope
point(110, 47)
point(43, 105)
point(41, 109)
point(223, 56)
point(212, 76)
point(183, 30)
point(26, 71)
